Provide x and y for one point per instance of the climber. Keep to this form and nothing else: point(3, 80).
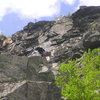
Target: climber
point(42, 52)
point(45, 55)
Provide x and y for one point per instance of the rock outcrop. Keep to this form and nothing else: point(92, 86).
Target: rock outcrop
point(20, 79)
point(25, 75)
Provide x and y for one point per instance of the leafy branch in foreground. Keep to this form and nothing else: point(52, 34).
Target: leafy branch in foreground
point(80, 79)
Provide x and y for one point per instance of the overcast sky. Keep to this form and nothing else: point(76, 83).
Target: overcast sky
point(15, 14)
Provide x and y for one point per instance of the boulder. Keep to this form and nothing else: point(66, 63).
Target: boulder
point(91, 40)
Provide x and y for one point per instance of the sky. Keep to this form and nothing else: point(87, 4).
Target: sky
point(15, 14)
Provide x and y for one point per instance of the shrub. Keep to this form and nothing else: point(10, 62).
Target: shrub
point(79, 79)
point(1, 34)
point(93, 26)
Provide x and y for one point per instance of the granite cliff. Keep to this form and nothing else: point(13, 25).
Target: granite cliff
point(25, 75)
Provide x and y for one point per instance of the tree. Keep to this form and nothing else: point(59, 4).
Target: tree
point(80, 79)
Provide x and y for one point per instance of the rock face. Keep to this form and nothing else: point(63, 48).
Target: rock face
point(27, 76)
point(20, 79)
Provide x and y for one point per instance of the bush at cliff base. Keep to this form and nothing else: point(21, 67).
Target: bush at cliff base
point(80, 79)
